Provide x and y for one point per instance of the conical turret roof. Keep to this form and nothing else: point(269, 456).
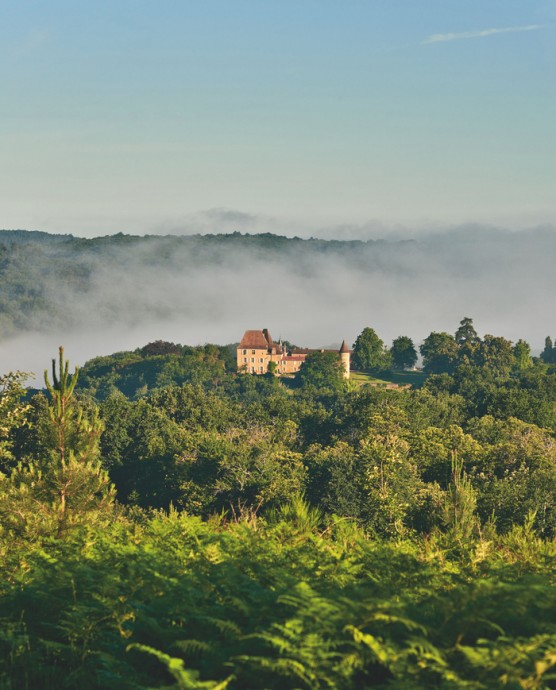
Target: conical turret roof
point(344, 347)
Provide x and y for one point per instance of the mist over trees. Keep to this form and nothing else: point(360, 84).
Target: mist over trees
point(118, 292)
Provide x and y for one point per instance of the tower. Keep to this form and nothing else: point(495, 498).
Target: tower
point(345, 356)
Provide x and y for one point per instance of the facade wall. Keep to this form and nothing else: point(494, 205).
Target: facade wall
point(256, 361)
point(289, 365)
point(253, 360)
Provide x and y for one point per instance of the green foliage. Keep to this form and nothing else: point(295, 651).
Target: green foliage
point(466, 335)
point(439, 352)
point(322, 370)
point(241, 471)
point(13, 414)
point(495, 354)
point(278, 605)
point(403, 353)
point(517, 475)
point(186, 680)
point(548, 355)
point(66, 487)
point(522, 356)
point(369, 352)
point(346, 538)
point(154, 367)
point(460, 504)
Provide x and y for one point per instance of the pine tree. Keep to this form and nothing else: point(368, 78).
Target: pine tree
point(461, 501)
point(68, 487)
point(466, 333)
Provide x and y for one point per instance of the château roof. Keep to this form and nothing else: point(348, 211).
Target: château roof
point(262, 340)
point(255, 340)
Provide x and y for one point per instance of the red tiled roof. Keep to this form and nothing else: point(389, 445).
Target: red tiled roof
point(262, 340)
point(255, 340)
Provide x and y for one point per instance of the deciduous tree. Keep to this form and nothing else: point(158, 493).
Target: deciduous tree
point(403, 353)
point(322, 370)
point(522, 356)
point(439, 352)
point(369, 352)
point(13, 413)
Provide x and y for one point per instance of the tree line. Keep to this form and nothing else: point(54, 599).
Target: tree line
point(443, 352)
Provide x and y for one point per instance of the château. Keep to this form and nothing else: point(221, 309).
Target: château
point(257, 351)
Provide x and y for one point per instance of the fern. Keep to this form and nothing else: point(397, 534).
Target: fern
point(186, 679)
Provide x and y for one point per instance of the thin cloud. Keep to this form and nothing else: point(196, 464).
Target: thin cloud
point(483, 33)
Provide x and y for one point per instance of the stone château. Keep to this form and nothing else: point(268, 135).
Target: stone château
point(257, 350)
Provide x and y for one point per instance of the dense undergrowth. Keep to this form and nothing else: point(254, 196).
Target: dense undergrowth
point(280, 603)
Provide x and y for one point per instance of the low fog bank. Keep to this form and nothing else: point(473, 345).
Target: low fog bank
point(101, 296)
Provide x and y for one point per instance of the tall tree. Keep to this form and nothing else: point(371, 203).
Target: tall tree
point(466, 332)
point(68, 487)
point(369, 351)
point(548, 355)
point(403, 353)
point(460, 503)
point(467, 340)
point(522, 355)
point(495, 353)
point(439, 352)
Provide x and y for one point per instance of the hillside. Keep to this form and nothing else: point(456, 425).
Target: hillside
point(211, 287)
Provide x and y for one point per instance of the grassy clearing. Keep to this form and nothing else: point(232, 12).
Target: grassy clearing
point(361, 377)
point(414, 378)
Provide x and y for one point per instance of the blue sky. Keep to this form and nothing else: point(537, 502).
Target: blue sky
point(142, 115)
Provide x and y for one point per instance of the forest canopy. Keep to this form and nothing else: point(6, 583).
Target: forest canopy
point(167, 522)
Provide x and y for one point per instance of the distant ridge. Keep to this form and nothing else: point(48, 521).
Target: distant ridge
point(54, 283)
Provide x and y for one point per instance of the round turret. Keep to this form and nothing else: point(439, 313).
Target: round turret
point(345, 356)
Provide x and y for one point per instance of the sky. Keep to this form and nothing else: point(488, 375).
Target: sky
point(159, 116)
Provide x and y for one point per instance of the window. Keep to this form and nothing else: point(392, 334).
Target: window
point(244, 352)
point(252, 352)
point(245, 359)
point(261, 369)
point(252, 359)
point(261, 360)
